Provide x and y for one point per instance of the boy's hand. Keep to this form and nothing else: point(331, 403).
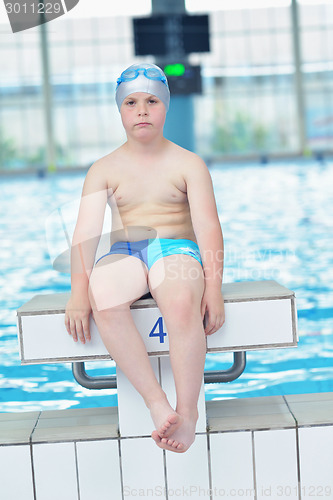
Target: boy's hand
point(77, 319)
point(212, 307)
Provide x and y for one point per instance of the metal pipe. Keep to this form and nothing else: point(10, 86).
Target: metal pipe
point(235, 371)
point(82, 378)
point(47, 95)
point(299, 80)
point(110, 381)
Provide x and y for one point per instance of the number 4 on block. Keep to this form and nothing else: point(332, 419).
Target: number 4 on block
point(157, 330)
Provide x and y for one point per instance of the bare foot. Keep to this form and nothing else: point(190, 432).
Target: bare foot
point(166, 420)
point(180, 440)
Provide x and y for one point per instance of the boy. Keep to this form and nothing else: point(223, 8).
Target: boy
point(165, 238)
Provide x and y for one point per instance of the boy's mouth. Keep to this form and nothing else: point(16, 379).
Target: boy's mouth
point(142, 124)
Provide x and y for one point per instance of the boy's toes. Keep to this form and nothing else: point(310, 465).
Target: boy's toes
point(168, 444)
point(178, 446)
point(164, 428)
point(167, 441)
point(173, 419)
point(170, 425)
point(156, 437)
point(172, 443)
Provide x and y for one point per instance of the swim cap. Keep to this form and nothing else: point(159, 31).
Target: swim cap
point(144, 77)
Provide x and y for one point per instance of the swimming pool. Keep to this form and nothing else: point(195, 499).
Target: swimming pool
point(277, 223)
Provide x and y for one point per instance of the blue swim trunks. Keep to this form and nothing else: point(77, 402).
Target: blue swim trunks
point(151, 250)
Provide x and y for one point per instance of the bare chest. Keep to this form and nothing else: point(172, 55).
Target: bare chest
point(152, 189)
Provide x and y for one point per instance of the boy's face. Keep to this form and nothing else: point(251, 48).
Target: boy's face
point(143, 114)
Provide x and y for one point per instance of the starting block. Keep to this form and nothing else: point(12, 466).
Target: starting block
point(259, 315)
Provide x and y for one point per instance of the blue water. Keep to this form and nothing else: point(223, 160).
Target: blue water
point(278, 224)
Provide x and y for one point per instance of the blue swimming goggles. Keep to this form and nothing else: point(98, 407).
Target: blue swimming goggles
point(131, 74)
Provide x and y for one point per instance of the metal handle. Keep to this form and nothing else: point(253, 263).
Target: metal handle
point(82, 378)
point(235, 371)
point(110, 382)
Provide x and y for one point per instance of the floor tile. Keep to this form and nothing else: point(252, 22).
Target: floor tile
point(55, 471)
point(99, 478)
point(249, 414)
point(15, 473)
point(77, 424)
point(18, 429)
point(232, 465)
point(276, 464)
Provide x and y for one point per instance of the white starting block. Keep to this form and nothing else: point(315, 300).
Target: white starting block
point(259, 315)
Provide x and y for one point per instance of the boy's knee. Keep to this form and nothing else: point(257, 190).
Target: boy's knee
point(182, 305)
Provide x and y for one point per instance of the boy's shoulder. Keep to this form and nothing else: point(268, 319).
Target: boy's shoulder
point(105, 162)
point(187, 158)
point(105, 165)
point(191, 165)
point(98, 174)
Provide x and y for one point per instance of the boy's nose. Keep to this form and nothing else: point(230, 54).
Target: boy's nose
point(142, 109)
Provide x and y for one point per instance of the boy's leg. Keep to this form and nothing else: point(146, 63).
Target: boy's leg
point(115, 283)
point(179, 300)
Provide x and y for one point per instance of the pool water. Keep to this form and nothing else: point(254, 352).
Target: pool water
point(277, 223)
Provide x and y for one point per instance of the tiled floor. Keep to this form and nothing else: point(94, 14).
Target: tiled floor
point(76, 425)
point(249, 414)
point(275, 447)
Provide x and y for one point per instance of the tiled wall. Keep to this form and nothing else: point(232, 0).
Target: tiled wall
point(258, 448)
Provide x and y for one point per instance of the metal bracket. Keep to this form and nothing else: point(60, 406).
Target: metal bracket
point(82, 378)
point(110, 382)
point(235, 371)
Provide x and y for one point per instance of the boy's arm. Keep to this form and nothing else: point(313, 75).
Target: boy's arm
point(84, 244)
point(208, 233)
